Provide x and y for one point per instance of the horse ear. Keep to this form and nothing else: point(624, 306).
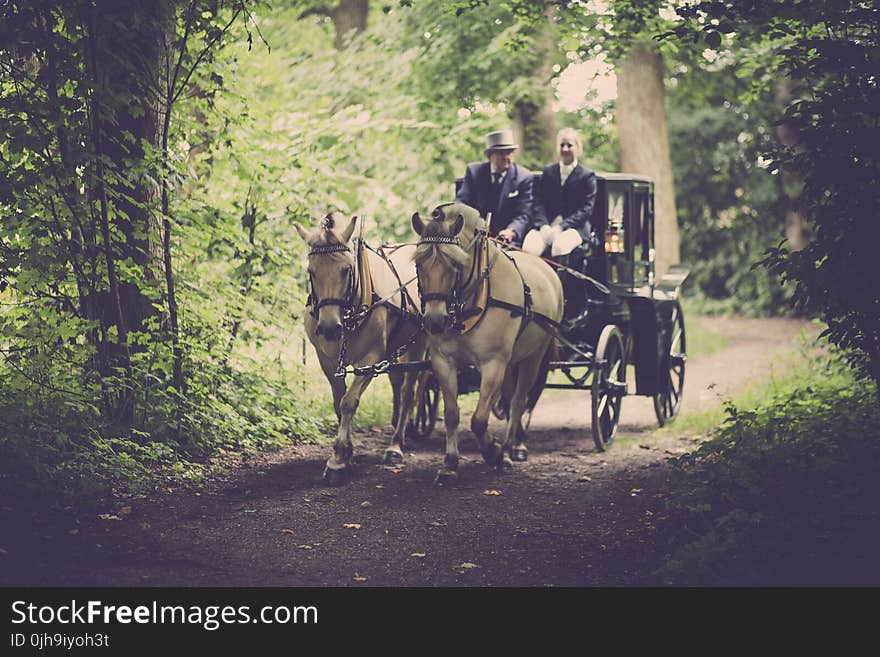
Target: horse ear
point(302, 231)
point(346, 234)
point(458, 225)
point(417, 224)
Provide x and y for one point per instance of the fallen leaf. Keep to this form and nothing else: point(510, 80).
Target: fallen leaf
point(73, 532)
point(304, 547)
point(351, 525)
point(396, 469)
point(418, 555)
point(585, 478)
point(645, 446)
point(467, 565)
point(3, 552)
point(108, 516)
point(366, 505)
point(492, 491)
point(287, 531)
point(380, 486)
point(437, 523)
point(359, 578)
point(125, 510)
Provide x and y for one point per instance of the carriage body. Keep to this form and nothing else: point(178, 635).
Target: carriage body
point(622, 257)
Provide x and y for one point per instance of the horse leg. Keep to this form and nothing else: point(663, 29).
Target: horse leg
point(394, 452)
point(396, 379)
point(337, 384)
point(447, 375)
point(338, 466)
point(515, 435)
point(492, 376)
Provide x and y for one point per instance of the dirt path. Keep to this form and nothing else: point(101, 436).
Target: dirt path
point(568, 517)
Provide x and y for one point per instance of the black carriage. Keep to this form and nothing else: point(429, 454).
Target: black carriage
point(616, 314)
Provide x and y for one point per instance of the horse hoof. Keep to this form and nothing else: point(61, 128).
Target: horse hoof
point(393, 458)
point(521, 455)
point(505, 465)
point(446, 477)
point(336, 477)
point(493, 454)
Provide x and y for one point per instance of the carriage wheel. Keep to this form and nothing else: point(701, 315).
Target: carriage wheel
point(427, 402)
point(667, 402)
point(609, 386)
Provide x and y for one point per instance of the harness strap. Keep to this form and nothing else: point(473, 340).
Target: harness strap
point(405, 295)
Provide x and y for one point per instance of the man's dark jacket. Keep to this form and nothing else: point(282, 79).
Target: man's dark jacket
point(573, 201)
point(513, 207)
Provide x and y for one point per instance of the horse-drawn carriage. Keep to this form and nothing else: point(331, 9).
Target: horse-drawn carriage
point(471, 301)
point(616, 314)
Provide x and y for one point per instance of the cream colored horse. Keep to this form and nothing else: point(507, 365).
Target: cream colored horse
point(339, 287)
point(507, 347)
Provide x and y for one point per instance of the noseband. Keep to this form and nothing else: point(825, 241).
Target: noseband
point(345, 304)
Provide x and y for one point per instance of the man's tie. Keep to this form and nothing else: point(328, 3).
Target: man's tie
point(496, 179)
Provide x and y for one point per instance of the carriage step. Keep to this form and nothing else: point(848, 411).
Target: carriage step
point(615, 387)
point(569, 363)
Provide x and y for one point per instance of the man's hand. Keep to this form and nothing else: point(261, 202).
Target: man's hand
point(507, 235)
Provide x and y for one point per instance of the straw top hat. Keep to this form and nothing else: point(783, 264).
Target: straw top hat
point(502, 140)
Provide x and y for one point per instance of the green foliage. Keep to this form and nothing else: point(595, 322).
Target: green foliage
point(830, 49)
point(90, 395)
point(729, 207)
point(784, 494)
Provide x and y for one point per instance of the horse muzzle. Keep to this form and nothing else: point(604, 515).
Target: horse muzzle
point(435, 321)
point(329, 329)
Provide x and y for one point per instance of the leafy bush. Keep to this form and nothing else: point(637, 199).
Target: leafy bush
point(785, 494)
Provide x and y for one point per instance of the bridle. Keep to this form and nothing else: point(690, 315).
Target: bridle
point(346, 304)
point(454, 297)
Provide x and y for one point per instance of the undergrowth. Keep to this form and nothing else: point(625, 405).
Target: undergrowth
point(786, 493)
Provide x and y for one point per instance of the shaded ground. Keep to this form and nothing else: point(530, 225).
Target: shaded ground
point(568, 517)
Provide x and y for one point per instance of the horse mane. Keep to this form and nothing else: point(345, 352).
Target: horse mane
point(324, 234)
point(449, 255)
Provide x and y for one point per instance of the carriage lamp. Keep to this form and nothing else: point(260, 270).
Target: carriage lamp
point(613, 241)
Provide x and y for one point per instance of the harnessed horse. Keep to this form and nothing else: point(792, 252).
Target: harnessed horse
point(485, 307)
point(359, 313)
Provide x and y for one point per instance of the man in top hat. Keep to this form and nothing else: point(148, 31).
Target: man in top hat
point(501, 188)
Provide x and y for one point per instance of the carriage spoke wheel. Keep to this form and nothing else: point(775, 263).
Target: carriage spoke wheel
point(667, 401)
point(427, 402)
point(609, 386)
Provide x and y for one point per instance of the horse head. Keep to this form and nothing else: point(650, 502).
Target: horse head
point(444, 252)
point(331, 272)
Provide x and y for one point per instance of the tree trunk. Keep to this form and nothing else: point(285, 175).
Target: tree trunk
point(792, 184)
point(644, 142)
point(349, 18)
point(129, 43)
point(535, 120)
